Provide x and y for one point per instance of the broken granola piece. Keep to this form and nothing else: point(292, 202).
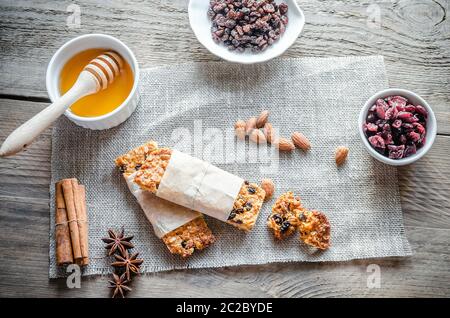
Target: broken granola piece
point(314, 229)
point(194, 235)
point(284, 219)
point(247, 206)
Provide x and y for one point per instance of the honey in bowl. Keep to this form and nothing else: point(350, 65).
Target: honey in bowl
point(104, 101)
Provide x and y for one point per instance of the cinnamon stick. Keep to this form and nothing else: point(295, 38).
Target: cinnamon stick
point(63, 242)
point(72, 217)
point(82, 225)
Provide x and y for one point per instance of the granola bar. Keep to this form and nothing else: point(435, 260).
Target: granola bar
point(315, 229)
point(284, 219)
point(247, 204)
point(185, 239)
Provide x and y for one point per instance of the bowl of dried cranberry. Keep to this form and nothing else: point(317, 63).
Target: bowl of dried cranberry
point(246, 31)
point(397, 126)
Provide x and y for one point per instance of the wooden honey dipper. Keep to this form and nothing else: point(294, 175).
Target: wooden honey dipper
point(96, 76)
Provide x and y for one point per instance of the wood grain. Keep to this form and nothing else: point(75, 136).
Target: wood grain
point(24, 220)
point(414, 38)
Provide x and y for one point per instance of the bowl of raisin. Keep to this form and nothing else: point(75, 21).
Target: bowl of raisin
point(397, 126)
point(246, 31)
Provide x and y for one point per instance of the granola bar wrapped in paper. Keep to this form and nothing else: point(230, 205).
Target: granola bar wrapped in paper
point(200, 186)
point(181, 229)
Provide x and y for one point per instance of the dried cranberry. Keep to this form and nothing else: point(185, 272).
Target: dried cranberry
point(421, 110)
point(391, 113)
point(381, 109)
point(396, 152)
point(388, 139)
point(405, 116)
point(407, 126)
point(413, 136)
point(371, 118)
point(397, 101)
point(377, 142)
point(410, 108)
point(283, 7)
point(397, 123)
point(410, 150)
point(402, 139)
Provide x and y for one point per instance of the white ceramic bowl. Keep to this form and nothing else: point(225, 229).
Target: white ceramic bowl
point(82, 43)
point(201, 25)
point(413, 99)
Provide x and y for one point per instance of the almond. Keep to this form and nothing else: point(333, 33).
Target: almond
point(300, 141)
point(257, 136)
point(269, 133)
point(262, 119)
point(284, 144)
point(239, 129)
point(250, 125)
point(268, 186)
point(341, 154)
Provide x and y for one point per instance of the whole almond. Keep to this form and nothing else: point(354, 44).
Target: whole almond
point(250, 125)
point(239, 129)
point(268, 186)
point(341, 154)
point(300, 141)
point(257, 136)
point(284, 144)
point(262, 119)
point(269, 133)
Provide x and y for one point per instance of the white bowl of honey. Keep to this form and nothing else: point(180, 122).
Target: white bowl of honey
point(106, 108)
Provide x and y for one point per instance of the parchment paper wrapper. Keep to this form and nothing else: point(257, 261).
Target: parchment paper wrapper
point(200, 186)
point(164, 216)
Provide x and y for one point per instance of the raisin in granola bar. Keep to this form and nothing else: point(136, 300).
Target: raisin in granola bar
point(247, 204)
point(315, 229)
point(185, 239)
point(284, 219)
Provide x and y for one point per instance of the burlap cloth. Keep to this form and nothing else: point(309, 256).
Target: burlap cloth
point(194, 107)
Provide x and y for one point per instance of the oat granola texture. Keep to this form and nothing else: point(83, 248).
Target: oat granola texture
point(314, 229)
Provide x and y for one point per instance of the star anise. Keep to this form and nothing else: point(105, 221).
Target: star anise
point(120, 285)
point(129, 263)
point(117, 241)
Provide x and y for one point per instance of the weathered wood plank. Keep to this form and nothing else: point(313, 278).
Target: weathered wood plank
point(412, 35)
point(24, 220)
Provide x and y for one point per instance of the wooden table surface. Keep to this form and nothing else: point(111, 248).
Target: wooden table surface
point(413, 36)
